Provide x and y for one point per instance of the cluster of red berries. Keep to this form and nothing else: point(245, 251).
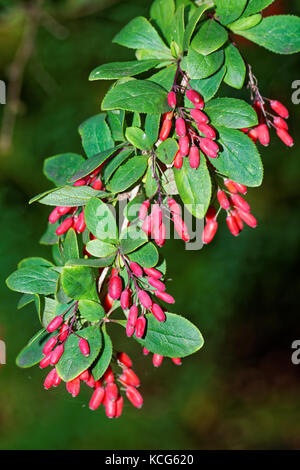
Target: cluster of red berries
point(76, 214)
point(267, 120)
point(106, 391)
point(153, 224)
point(146, 282)
point(158, 358)
point(187, 120)
point(237, 209)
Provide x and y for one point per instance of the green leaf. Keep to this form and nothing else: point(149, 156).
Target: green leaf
point(138, 138)
point(132, 238)
point(151, 186)
point(103, 361)
point(72, 363)
point(176, 337)
point(194, 187)
point(239, 159)
point(115, 162)
point(207, 87)
point(229, 11)
point(140, 34)
point(50, 237)
point(201, 66)
point(93, 163)
point(32, 354)
point(165, 77)
point(36, 280)
point(35, 261)
point(60, 168)
point(57, 255)
point(131, 211)
point(196, 16)
point(91, 311)
point(116, 70)
point(255, 6)
point(100, 249)
point(26, 299)
point(146, 256)
point(246, 22)
point(231, 112)
point(78, 283)
point(92, 263)
point(152, 123)
point(128, 173)
point(162, 12)
point(116, 120)
point(142, 96)
point(177, 28)
point(136, 120)
point(235, 67)
point(70, 249)
point(100, 221)
point(95, 135)
point(167, 150)
point(210, 37)
point(279, 34)
point(69, 196)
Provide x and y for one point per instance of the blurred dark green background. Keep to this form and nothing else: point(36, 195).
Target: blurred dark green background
point(241, 390)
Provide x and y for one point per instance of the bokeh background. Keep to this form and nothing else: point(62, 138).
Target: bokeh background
point(241, 391)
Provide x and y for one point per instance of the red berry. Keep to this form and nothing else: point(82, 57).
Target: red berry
point(232, 225)
point(80, 182)
point(80, 223)
point(156, 284)
point(199, 116)
point(125, 298)
point(146, 227)
point(97, 185)
point(110, 409)
point(263, 134)
point(97, 398)
point(158, 312)
point(238, 220)
point(153, 273)
point(84, 347)
point(172, 99)
point(65, 226)
point(144, 209)
point(207, 130)
point(45, 362)
point(180, 127)
point(49, 380)
point(130, 378)
point(195, 98)
point(285, 137)
point(73, 387)
point(165, 129)
point(146, 352)
point(184, 146)
point(181, 228)
point(140, 327)
point(165, 297)
point(136, 269)
point(119, 407)
point(84, 376)
point(248, 218)
point(253, 134)
point(230, 185)
point(115, 287)
point(54, 216)
point(91, 381)
point(56, 380)
point(240, 202)
point(209, 231)
point(124, 359)
point(279, 108)
point(112, 391)
point(49, 345)
point(211, 213)
point(281, 123)
point(134, 396)
point(178, 160)
point(177, 361)
point(159, 235)
point(241, 188)
point(145, 299)
point(174, 207)
point(157, 360)
point(209, 147)
point(223, 200)
point(194, 157)
point(63, 333)
point(156, 216)
point(108, 375)
point(56, 354)
point(63, 210)
point(54, 324)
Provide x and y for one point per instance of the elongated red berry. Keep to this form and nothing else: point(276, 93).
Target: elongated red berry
point(158, 312)
point(263, 134)
point(165, 297)
point(174, 207)
point(238, 220)
point(49, 345)
point(172, 99)
point(119, 407)
point(195, 98)
point(223, 200)
point(199, 116)
point(73, 387)
point(285, 137)
point(184, 146)
point(146, 227)
point(240, 202)
point(80, 182)
point(90, 382)
point(209, 147)
point(54, 216)
point(153, 273)
point(194, 157)
point(49, 380)
point(132, 317)
point(157, 360)
point(253, 134)
point(180, 127)
point(85, 375)
point(231, 186)
point(140, 327)
point(125, 298)
point(63, 333)
point(211, 213)
point(110, 409)
point(207, 130)
point(241, 188)
point(97, 185)
point(62, 210)
point(45, 362)
point(232, 225)
point(159, 235)
point(134, 396)
point(146, 352)
point(159, 285)
point(109, 375)
point(281, 123)
point(115, 287)
point(84, 347)
point(97, 398)
point(156, 216)
point(248, 218)
point(145, 299)
point(136, 269)
point(65, 226)
point(124, 359)
point(165, 129)
point(80, 223)
point(178, 160)
point(209, 231)
point(129, 377)
point(177, 361)
point(181, 228)
point(279, 108)
point(54, 324)
point(144, 209)
point(56, 380)
point(56, 354)
point(112, 391)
